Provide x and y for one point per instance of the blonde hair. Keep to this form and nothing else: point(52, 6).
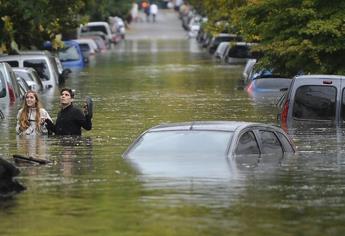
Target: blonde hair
point(24, 122)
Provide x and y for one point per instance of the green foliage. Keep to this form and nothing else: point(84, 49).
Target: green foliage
point(28, 23)
point(296, 35)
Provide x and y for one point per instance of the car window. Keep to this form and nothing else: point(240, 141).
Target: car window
point(13, 63)
point(239, 51)
point(182, 143)
point(69, 53)
point(315, 102)
point(270, 143)
point(2, 85)
point(40, 66)
point(101, 28)
point(273, 83)
point(285, 142)
point(247, 144)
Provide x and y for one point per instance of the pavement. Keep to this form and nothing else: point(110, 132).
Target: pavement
point(167, 26)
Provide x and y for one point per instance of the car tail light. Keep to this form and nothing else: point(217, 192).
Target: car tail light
point(284, 115)
point(250, 87)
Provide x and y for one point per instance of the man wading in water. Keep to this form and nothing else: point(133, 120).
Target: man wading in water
point(70, 119)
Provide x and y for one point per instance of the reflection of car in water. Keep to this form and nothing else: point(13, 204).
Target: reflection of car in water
point(314, 100)
point(204, 148)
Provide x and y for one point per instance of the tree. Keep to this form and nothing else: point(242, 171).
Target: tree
point(296, 35)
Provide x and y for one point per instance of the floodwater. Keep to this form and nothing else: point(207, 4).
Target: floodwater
point(88, 189)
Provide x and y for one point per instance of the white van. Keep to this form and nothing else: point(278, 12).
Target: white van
point(46, 65)
point(98, 26)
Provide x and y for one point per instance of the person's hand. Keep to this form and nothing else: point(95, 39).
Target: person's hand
point(43, 120)
point(85, 109)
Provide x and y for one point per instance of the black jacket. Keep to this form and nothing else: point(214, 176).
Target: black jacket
point(69, 121)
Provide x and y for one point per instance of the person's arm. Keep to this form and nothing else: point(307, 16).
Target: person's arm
point(83, 119)
point(18, 130)
point(50, 126)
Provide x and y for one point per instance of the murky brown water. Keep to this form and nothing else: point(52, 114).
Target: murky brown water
point(90, 190)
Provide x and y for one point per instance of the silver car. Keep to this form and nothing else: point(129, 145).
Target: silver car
point(210, 148)
point(313, 100)
point(212, 138)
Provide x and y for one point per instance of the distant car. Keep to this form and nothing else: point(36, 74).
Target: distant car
point(238, 53)
point(271, 84)
point(221, 49)
point(223, 37)
point(88, 46)
point(316, 100)
point(31, 77)
point(224, 139)
point(99, 26)
point(71, 55)
point(248, 69)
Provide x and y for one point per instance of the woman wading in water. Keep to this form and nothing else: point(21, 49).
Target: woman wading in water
point(31, 118)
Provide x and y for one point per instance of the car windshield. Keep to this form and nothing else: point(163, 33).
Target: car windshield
point(181, 143)
point(273, 83)
point(69, 53)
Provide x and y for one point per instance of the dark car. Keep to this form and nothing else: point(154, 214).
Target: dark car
point(211, 144)
point(216, 40)
point(317, 100)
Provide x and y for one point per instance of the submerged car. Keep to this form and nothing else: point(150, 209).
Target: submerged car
point(71, 55)
point(224, 139)
point(30, 76)
point(316, 100)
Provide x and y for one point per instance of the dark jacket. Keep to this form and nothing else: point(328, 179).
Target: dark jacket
point(69, 121)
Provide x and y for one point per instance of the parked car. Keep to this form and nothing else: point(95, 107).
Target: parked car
point(99, 26)
point(23, 86)
point(30, 76)
point(88, 46)
point(9, 88)
point(223, 37)
point(268, 90)
point(270, 84)
point(316, 100)
point(238, 53)
point(45, 63)
point(71, 55)
point(210, 144)
point(221, 49)
point(248, 69)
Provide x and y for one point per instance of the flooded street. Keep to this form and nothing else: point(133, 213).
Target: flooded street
point(150, 78)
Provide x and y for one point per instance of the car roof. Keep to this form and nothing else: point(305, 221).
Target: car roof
point(319, 76)
point(229, 126)
point(97, 23)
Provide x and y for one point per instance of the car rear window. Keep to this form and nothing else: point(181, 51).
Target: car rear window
point(315, 102)
point(13, 63)
point(181, 143)
point(272, 83)
point(239, 51)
